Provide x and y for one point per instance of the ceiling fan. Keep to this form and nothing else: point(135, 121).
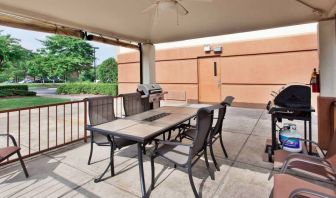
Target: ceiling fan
point(163, 5)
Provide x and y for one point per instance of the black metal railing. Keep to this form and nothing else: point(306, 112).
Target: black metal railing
point(42, 128)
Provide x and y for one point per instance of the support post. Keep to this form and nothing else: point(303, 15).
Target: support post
point(327, 55)
point(148, 63)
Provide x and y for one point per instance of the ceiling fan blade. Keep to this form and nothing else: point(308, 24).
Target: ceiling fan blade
point(181, 10)
point(149, 8)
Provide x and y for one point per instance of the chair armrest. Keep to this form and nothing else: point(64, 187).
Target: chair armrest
point(314, 143)
point(309, 141)
point(299, 191)
point(11, 137)
point(295, 157)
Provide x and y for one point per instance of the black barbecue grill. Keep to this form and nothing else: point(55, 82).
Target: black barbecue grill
point(292, 102)
point(153, 92)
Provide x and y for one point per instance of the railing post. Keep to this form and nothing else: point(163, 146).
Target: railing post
point(85, 120)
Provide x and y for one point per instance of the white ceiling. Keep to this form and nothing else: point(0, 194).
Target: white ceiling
point(124, 18)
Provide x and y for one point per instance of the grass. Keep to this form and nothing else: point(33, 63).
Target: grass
point(23, 102)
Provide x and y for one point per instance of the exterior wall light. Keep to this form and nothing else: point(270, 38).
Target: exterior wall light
point(207, 48)
point(218, 49)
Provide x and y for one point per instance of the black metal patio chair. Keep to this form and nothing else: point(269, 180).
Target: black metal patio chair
point(134, 103)
point(216, 132)
point(101, 110)
point(8, 151)
point(186, 155)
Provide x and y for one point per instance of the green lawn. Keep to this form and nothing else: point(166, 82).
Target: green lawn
point(13, 103)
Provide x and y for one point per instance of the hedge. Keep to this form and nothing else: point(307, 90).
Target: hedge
point(14, 87)
point(88, 88)
point(16, 92)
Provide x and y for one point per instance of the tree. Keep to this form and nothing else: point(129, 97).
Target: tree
point(64, 55)
point(14, 58)
point(87, 75)
point(36, 67)
point(108, 71)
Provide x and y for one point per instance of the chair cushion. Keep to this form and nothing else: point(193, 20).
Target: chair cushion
point(285, 184)
point(304, 168)
point(8, 151)
point(176, 154)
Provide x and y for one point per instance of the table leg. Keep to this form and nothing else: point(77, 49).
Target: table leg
point(141, 171)
point(310, 136)
point(274, 143)
point(305, 132)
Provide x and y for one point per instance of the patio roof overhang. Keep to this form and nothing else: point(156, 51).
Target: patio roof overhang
point(125, 20)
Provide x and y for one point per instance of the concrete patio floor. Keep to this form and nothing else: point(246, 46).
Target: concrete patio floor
point(65, 173)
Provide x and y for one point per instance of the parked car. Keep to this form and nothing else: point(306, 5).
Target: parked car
point(8, 82)
point(26, 81)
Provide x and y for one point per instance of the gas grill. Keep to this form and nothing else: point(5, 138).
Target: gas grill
point(153, 92)
point(291, 102)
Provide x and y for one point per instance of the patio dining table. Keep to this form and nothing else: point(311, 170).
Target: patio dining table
point(144, 127)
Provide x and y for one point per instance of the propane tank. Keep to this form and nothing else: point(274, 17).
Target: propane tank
point(290, 139)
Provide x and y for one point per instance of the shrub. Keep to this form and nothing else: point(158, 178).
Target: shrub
point(14, 87)
point(16, 92)
point(88, 88)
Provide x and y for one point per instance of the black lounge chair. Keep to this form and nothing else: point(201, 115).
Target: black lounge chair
point(189, 132)
point(101, 110)
point(8, 151)
point(186, 155)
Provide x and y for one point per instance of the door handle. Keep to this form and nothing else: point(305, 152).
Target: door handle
point(215, 68)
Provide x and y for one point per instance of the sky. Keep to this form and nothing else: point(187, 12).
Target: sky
point(30, 40)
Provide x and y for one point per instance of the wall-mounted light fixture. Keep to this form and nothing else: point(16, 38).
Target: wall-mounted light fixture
point(218, 49)
point(207, 48)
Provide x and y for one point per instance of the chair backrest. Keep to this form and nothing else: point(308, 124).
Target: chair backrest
point(203, 125)
point(331, 152)
point(101, 110)
point(221, 115)
point(133, 103)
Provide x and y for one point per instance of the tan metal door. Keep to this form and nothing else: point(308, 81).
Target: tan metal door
point(209, 80)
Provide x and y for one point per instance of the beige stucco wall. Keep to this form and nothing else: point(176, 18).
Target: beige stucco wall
point(250, 70)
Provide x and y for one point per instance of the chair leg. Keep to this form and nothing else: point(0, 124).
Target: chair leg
point(144, 149)
point(152, 172)
point(112, 159)
point(192, 181)
point(207, 163)
point(91, 148)
point(22, 164)
point(111, 163)
point(213, 156)
point(222, 144)
point(169, 134)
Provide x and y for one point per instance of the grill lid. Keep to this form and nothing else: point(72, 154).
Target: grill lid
point(294, 96)
point(147, 89)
